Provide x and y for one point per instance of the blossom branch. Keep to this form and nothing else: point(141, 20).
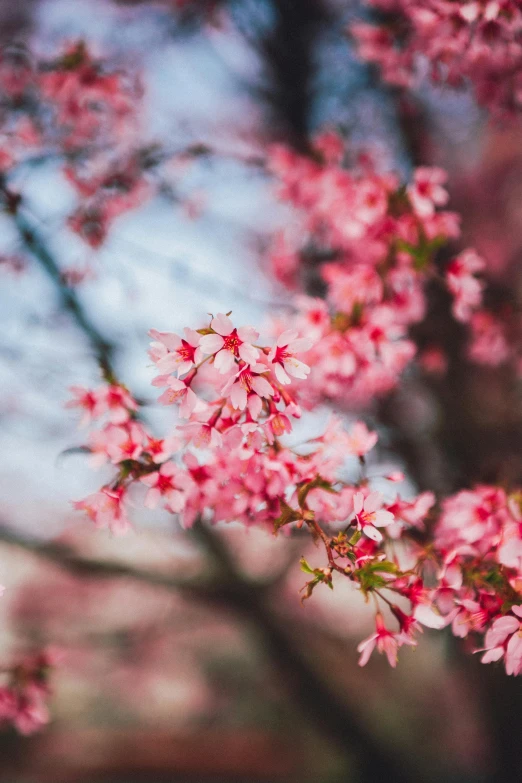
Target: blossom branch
point(31, 239)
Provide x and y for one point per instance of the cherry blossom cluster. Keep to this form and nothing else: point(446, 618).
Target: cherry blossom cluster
point(373, 243)
point(468, 576)
point(457, 42)
point(228, 458)
point(495, 338)
point(478, 539)
point(24, 691)
point(234, 400)
point(78, 109)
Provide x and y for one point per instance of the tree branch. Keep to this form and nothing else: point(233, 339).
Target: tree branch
point(34, 243)
point(319, 702)
point(67, 559)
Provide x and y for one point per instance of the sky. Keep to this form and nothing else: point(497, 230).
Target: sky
point(160, 267)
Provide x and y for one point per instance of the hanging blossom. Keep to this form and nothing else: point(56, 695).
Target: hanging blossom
point(251, 404)
point(25, 690)
point(226, 460)
point(475, 42)
point(370, 243)
point(463, 284)
point(478, 541)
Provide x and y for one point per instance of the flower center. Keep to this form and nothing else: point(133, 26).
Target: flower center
point(281, 355)
point(366, 518)
point(164, 483)
point(128, 447)
point(186, 352)
point(232, 342)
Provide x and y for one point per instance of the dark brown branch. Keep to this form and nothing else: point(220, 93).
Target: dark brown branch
point(318, 701)
point(34, 243)
point(67, 559)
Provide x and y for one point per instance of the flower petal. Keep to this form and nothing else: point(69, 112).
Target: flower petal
point(222, 324)
point(211, 343)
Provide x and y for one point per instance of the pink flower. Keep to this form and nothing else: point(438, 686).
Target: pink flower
point(87, 400)
point(276, 426)
point(488, 343)
point(360, 440)
point(248, 383)
point(168, 482)
point(160, 449)
point(426, 615)
point(461, 43)
point(385, 641)
point(179, 393)
point(504, 640)
point(106, 509)
point(175, 354)
point(465, 617)
point(347, 287)
point(282, 356)
point(202, 434)
point(8, 704)
point(414, 511)
point(370, 515)
point(228, 344)
point(31, 714)
point(118, 402)
point(466, 289)
point(426, 191)
point(330, 145)
point(124, 442)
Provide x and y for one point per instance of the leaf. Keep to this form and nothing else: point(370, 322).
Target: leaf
point(305, 567)
point(370, 578)
point(287, 515)
point(316, 483)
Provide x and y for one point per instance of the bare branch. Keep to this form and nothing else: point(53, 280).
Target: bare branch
point(67, 559)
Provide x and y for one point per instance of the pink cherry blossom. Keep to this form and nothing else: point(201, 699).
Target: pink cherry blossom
point(172, 353)
point(124, 442)
point(106, 509)
point(227, 343)
point(360, 440)
point(488, 344)
point(426, 191)
point(473, 44)
point(370, 515)
point(118, 403)
point(465, 287)
point(161, 449)
point(169, 482)
point(504, 640)
point(385, 641)
point(248, 382)
point(179, 393)
point(282, 356)
point(85, 399)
